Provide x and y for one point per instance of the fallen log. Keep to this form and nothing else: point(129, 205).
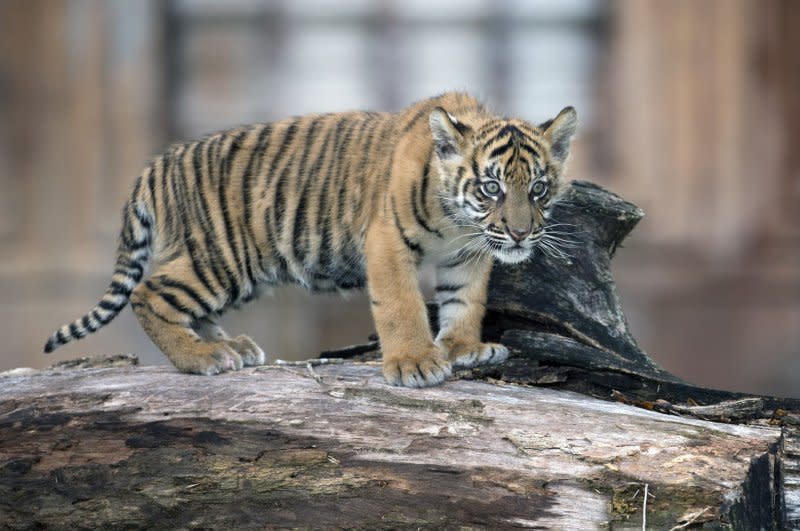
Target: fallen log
point(334, 446)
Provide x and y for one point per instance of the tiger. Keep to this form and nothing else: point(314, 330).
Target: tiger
point(337, 202)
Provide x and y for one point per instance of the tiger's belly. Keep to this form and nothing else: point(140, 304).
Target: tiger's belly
point(341, 271)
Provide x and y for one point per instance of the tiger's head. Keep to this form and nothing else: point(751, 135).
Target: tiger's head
point(500, 179)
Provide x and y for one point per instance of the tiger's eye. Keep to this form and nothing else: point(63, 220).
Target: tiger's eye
point(539, 188)
point(491, 188)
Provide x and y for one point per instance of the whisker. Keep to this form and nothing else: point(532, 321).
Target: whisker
point(467, 247)
point(555, 252)
point(566, 242)
point(562, 224)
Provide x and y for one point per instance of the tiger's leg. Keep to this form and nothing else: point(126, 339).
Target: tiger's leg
point(410, 357)
point(251, 353)
point(168, 304)
point(461, 294)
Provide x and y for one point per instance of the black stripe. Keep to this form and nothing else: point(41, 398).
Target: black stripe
point(283, 149)
point(151, 186)
point(423, 190)
point(60, 337)
point(144, 220)
point(137, 273)
point(424, 111)
point(418, 217)
point(475, 170)
point(136, 246)
point(103, 320)
point(232, 289)
point(173, 301)
point(137, 187)
point(500, 150)
point(506, 130)
point(160, 317)
point(322, 211)
point(341, 175)
point(324, 255)
point(544, 125)
point(126, 233)
point(529, 149)
point(110, 306)
point(168, 194)
point(189, 291)
point(182, 187)
point(449, 287)
point(215, 255)
point(460, 127)
point(300, 241)
point(532, 139)
point(222, 191)
point(282, 264)
point(299, 225)
point(161, 186)
point(247, 246)
point(452, 300)
point(88, 324)
point(191, 246)
point(73, 331)
point(488, 130)
point(365, 156)
point(275, 224)
point(117, 288)
point(412, 246)
point(279, 202)
point(250, 172)
point(342, 178)
point(201, 208)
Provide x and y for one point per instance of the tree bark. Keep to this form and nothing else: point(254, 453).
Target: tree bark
point(334, 446)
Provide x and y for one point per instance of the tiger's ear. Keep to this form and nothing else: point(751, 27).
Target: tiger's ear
point(449, 134)
point(559, 131)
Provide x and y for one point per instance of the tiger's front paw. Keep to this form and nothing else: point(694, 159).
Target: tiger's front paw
point(481, 354)
point(423, 370)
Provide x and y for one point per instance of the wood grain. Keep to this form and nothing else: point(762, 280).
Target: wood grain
point(280, 447)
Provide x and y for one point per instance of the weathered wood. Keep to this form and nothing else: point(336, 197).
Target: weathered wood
point(334, 446)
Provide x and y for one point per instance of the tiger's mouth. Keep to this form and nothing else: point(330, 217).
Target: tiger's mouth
point(512, 253)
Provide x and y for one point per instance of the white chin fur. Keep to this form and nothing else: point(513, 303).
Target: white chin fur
point(513, 256)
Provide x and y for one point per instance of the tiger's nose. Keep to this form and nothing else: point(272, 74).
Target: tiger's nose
point(518, 234)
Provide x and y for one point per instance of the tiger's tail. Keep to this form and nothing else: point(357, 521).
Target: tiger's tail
point(133, 259)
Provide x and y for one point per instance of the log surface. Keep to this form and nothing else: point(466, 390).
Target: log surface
point(334, 446)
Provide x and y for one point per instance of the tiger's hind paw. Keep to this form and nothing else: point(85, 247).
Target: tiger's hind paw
point(480, 354)
point(207, 358)
point(249, 351)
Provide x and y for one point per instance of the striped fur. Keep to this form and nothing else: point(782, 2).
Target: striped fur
point(335, 202)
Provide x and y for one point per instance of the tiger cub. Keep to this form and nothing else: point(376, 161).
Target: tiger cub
point(336, 202)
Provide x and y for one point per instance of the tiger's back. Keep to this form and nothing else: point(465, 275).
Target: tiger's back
point(287, 201)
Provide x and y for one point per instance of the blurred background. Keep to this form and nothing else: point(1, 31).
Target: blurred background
point(691, 109)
